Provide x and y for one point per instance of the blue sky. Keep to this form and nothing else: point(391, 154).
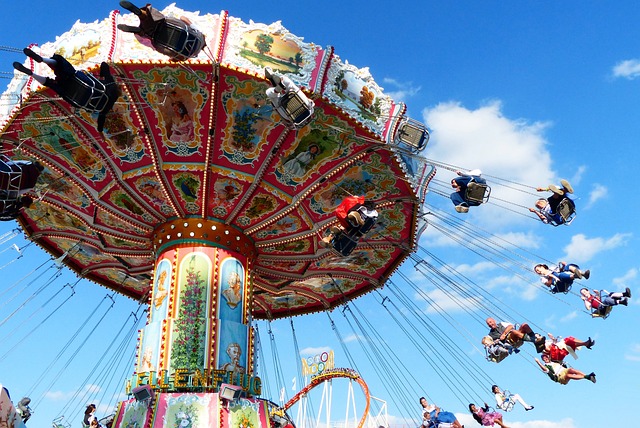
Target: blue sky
point(529, 92)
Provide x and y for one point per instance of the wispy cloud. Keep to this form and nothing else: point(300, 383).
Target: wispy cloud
point(468, 421)
point(438, 301)
point(400, 91)
point(352, 338)
point(629, 276)
point(598, 192)
point(311, 351)
point(66, 395)
point(629, 69)
point(633, 354)
point(582, 249)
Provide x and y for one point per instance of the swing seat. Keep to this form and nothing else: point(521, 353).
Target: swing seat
point(345, 242)
point(294, 106)
point(10, 179)
point(412, 133)
point(59, 423)
point(87, 94)
point(565, 213)
point(178, 40)
point(567, 210)
point(477, 193)
point(563, 288)
point(604, 313)
point(496, 358)
point(508, 404)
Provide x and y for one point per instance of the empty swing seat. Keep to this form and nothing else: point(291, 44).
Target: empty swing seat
point(178, 40)
point(412, 133)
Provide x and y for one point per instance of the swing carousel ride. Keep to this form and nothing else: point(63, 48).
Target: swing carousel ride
point(200, 200)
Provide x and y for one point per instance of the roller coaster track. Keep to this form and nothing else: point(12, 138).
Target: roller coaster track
point(328, 375)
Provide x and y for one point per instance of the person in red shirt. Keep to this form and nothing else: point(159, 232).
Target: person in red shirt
point(599, 301)
point(355, 217)
point(557, 348)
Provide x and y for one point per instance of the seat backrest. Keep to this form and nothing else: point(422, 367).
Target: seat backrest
point(295, 107)
point(344, 243)
point(78, 92)
point(508, 403)
point(84, 95)
point(566, 209)
point(496, 357)
point(477, 192)
point(170, 38)
point(413, 133)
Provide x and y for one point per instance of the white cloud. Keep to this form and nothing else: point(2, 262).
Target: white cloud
point(311, 351)
point(66, 395)
point(577, 176)
point(564, 423)
point(352, 338)
point(570, 316)
point(481, 138)
point(438, 301)
point(629, 69)
point(598, 192)
point(467, 420)
point(582, 249)
point(631, 275)
point(634, 353)
point(400, 91)
point(476, 269)
point(521, 239)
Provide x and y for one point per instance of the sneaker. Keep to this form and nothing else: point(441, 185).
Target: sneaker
point(556, 190)
point(335, 230)
point(462, 209)
point(623, 301)
point(528, 408)
point(586, 274)
point(566, 186)
point(129, 28)
point(131, 7)
point(325, 242)
point(539, 343)
point(591, 376)
point(516, 350)
point(590, 343)
point(627, 292)
point(31, 54)
point(105, 71)
point(22, 68)
point(355, 219)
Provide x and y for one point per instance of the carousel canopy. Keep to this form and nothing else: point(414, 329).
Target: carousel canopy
point(199, 139)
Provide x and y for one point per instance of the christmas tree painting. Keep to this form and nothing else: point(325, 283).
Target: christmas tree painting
point(190, 328)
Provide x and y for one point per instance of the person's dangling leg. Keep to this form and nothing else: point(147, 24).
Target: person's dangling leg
point(31, 54)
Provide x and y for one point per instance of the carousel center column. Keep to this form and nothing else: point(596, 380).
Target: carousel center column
point(198, 334)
